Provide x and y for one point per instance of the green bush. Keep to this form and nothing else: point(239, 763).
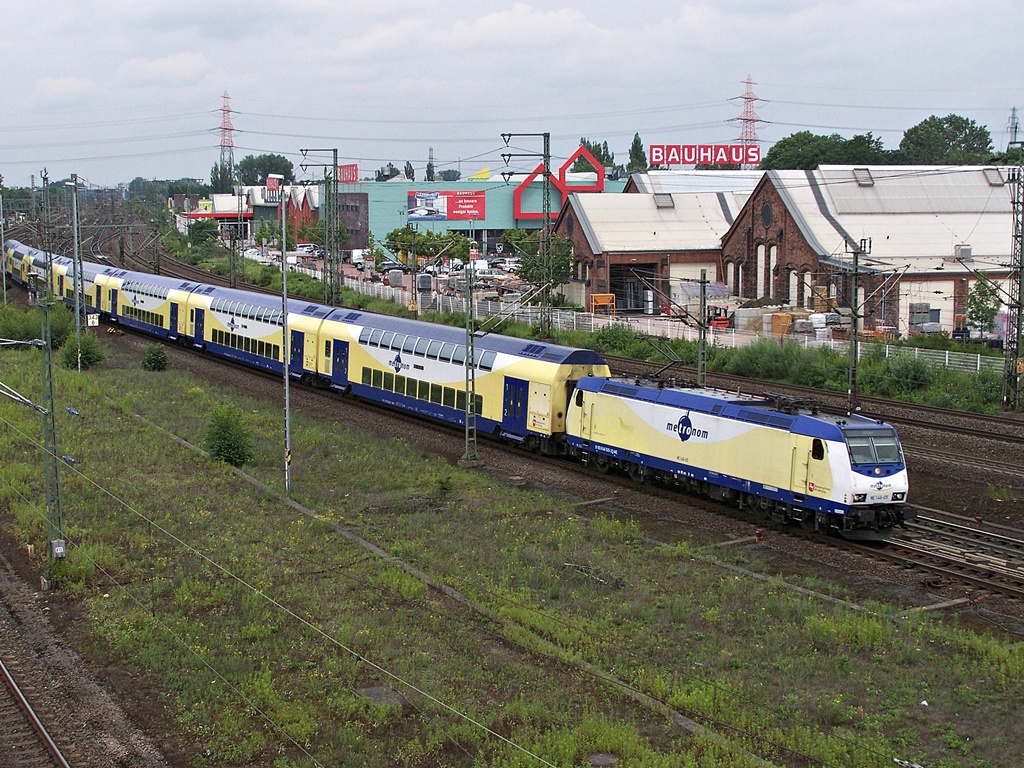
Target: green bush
point(92, 353)
point(155, 359)
point(227, 438)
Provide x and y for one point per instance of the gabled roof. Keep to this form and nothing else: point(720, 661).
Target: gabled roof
point(641, 223)
point(915, 215)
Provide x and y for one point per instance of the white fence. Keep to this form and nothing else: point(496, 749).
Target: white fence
point(566, 320)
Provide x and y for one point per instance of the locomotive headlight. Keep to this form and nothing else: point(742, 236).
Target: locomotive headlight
point(878, 470)
point(899, 496)
point(860, 498)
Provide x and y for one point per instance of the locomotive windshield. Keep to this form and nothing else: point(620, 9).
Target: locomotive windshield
point(873, 446)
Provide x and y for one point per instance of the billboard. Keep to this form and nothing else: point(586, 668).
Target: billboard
point(448, 205)
point(348, 174)
point(704, 154)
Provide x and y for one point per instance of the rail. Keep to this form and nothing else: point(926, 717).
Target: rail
point(32, 718)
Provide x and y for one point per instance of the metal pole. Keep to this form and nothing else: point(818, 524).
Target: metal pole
point(1013, 396)
point(702, 343)
point(546, 234)
point(54, 513)
point(864, 246)
point(470, 457)
point(286, 345)
point(76, 263)
point(3, 249)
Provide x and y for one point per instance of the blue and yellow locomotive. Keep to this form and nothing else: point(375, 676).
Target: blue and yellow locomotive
point(824, 471)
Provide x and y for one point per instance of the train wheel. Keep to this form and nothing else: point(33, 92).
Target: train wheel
point(807, 522)
point(637, 473)
point(601, 464)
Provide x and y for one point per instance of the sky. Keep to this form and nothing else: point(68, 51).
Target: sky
point(116, 89)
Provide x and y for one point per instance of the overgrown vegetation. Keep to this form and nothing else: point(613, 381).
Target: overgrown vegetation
point(227, 437)
point(89, 347)
point(265, 633)
point(155, 359)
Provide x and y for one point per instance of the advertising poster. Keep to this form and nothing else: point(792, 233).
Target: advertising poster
point(448, 205)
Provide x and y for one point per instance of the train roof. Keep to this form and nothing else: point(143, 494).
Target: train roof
point(550, 353)
point(733, 405)
point(20, 247)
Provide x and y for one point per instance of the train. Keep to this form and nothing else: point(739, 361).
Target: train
point(775, 457)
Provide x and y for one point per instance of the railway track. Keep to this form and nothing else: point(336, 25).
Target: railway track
point(988, 561)
point(24, 740)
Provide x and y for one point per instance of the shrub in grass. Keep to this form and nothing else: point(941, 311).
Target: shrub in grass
point(155, 359)
point(92, 353)
point(227, 437)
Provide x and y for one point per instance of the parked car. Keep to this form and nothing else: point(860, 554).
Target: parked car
point(386, 265)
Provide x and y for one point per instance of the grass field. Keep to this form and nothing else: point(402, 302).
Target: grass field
point(405, 612)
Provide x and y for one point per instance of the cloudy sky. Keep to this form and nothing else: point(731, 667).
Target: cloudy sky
point(115, 89)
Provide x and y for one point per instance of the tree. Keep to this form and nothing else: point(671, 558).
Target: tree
point(253, 170)
point(269, 233)
point(430, 171)
point(387, 173)
point(203, 230)
point(952, 140)
point(806, 151)
point(450, 174)
point(983, 304)
point(227, 438)
point(525, 244)
point(429, 245)
point(222, 180)
point(637, 156)
point(410, 172)
point(600, 152)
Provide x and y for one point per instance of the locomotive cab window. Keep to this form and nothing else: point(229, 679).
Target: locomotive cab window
point(375, 338)
point(873, 446)
point(818, 449)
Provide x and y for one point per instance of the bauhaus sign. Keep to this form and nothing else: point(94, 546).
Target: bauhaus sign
point(704, 154)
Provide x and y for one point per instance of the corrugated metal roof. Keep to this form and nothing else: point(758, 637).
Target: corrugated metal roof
point(637, 223)
point(914, 215)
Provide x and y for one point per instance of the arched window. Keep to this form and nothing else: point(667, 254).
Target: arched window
point(759, 272)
